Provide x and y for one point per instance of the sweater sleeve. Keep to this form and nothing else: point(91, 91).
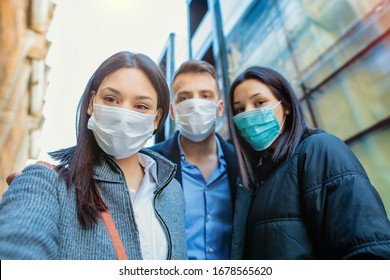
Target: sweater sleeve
point(344, 212)
point(29, 215)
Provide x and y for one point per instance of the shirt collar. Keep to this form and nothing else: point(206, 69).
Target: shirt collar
point(148, 164)
point(183, 155)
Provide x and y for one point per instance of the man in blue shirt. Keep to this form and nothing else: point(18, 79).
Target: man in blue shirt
point(206, 164)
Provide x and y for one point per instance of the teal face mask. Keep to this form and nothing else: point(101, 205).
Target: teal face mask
point(259, 127)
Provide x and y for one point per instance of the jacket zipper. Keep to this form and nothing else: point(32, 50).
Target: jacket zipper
point(156, 194)
point(131, 204)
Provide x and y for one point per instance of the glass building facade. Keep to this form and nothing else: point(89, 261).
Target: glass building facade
point(336, 54)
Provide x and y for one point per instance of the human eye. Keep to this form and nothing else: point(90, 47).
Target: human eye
point(208, 94)
point(182, 97)
point(260, 103)
point(111, 100)
point(238, 110)
point(141, 107)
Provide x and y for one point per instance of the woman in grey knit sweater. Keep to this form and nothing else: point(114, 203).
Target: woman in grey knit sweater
point(57, 214)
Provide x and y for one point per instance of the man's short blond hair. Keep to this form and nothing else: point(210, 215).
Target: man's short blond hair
point(195, 66)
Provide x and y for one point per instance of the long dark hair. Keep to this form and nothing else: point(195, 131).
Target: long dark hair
point(77, 163)
point(294, 125)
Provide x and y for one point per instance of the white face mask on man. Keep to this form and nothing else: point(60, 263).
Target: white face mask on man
point(195, 118)
point(120, 132)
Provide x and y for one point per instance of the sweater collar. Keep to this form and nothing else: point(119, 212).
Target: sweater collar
point(108, 171)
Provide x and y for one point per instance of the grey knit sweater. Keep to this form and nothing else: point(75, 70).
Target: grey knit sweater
point(38, 217)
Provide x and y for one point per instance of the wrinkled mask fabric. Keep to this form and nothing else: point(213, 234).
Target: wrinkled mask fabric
point(259, 127)
point(120, 132)
point(196, 118)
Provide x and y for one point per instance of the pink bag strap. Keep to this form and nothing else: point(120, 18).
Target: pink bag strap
point(113, 232)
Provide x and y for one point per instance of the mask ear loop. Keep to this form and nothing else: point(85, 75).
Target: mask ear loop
point(90, 106)
point(273, 107)
point(284, 119)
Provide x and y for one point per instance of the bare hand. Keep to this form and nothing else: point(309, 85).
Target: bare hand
point(12, 176)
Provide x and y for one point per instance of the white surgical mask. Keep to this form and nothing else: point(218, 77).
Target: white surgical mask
point(195, 118)
point(120, 132)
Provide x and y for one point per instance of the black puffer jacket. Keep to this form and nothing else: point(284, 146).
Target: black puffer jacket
point(319, 204)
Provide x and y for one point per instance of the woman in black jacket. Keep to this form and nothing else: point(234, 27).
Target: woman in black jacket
point(311, 197)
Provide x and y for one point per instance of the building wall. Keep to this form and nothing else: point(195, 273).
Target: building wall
point(334, 52)
point(23, 80)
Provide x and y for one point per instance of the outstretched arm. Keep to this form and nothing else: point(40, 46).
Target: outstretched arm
point(29, 215)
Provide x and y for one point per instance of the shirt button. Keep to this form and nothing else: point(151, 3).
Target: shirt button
point(209, 216)
point(211, 250)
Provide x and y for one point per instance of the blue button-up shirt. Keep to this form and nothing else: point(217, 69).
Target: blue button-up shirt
point(208, 209)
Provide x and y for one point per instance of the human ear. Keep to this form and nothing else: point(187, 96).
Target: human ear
point(157, 119)
point(220, 107)
point(171, 111)
point(287, 110)
point(90, 106)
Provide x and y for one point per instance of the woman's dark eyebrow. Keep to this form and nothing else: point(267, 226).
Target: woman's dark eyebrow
point(255, 95)
point(143, 97)
point(119, 93)
point(112, 89)
point(251, 97)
